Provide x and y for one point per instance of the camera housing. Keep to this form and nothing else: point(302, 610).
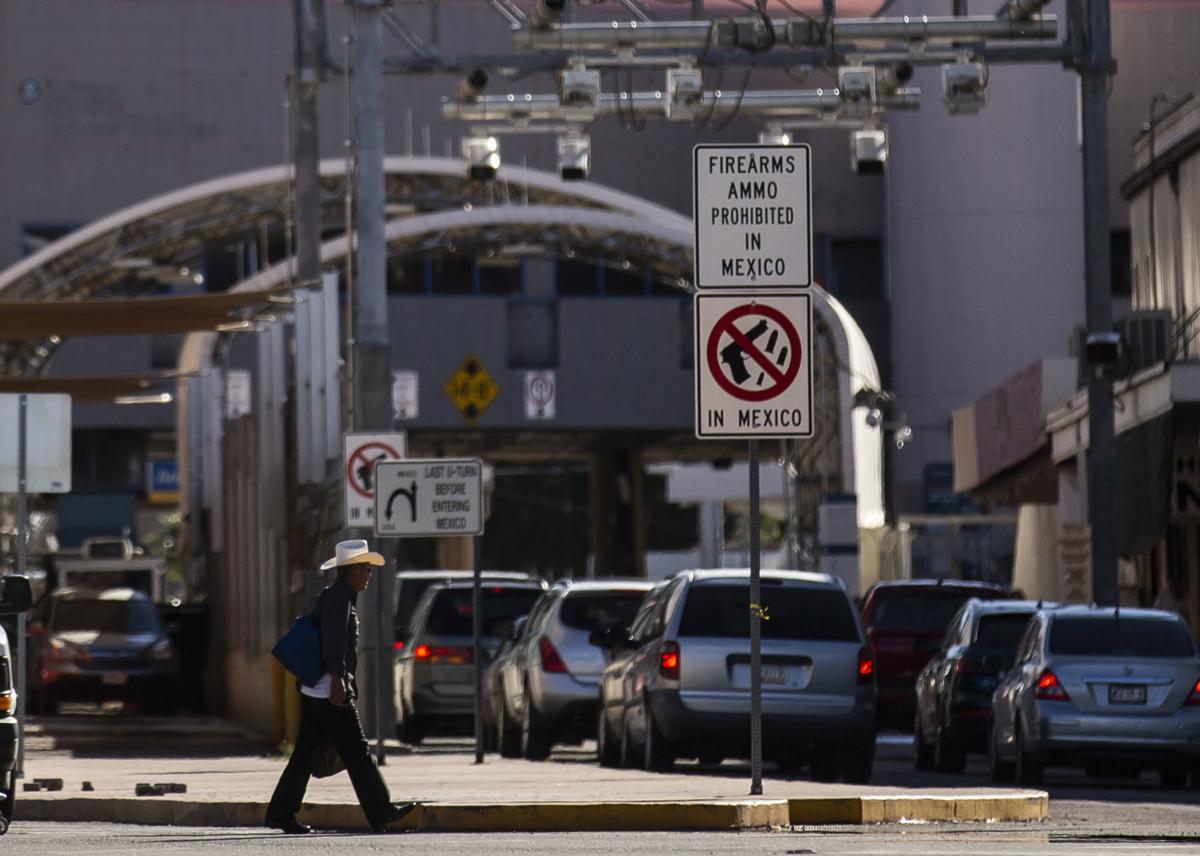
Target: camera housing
point(579, 88)
point(574, 156)
point(482, 156)
point(685, 93)
point(964, 87)
point(868, 150)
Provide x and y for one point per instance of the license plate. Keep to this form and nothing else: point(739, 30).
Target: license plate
point(774, 675)
point(1124, 694)
point(115, 679)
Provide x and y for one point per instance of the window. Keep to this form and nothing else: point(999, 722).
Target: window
point(796, 612)
point(578, 279)
point(641, 628)
point(922, 613)
point(451, 275)
point(1121, 262)
point(499, 280)
point(533, 334)
point(453, 613)
point(1119, 637)
point(599, 610)
point(105, 616)
point(1001, 632)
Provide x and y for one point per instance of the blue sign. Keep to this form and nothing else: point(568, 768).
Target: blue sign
point(164, 476)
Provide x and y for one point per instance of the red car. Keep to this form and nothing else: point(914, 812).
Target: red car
point(905, 622)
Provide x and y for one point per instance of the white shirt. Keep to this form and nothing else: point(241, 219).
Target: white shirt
point(321, 689)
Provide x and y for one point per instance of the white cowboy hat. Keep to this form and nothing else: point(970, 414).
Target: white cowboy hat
point(354, 552)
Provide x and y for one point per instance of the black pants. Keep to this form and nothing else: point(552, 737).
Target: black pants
point(321, 720)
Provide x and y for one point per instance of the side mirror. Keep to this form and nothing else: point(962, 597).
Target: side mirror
point(16, 596)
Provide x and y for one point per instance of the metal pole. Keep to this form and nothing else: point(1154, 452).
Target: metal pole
point(22, 515)
point(477, 630)
point(1095, 73)
point(756, 788)
point(371, 351)
point(382, 662)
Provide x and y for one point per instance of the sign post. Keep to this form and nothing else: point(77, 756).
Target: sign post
point(752, 209)
point(433, 498)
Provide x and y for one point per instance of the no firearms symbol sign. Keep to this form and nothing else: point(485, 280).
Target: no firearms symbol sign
point(753, 365)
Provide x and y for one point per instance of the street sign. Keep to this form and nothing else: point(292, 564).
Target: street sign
point(753, 365)
point(471, 389)
point(540, 395)
point(429, 498)
point(405, 403)
point(361, 452)
point(48, 443)
point(752, 206)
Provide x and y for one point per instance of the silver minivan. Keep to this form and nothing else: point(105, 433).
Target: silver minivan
point(551, 679)
point(679, 681)
point(1099, 688)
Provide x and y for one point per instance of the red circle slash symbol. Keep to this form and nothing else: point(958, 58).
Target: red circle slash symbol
point(360, 474)
point(754, 364)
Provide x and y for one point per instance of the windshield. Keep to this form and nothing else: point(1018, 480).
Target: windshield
point(1001, 632)
point(105, 616)
point(1119, 637)
point(792, 612)
point(600, 610)
point(924, 612)
point(452, 613)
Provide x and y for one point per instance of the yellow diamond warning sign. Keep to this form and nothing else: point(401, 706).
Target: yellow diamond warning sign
point(471, 389)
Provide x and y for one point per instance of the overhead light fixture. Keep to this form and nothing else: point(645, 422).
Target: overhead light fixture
point(868, 150)
point(482, 156)
point(579, 88)
point(964, 87)
point(574, 156)
point(774, 135)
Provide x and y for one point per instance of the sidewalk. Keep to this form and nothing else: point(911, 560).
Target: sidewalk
point(571, 792)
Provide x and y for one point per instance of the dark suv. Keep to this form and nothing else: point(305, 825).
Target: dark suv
point(906, 621)
point(954, 691)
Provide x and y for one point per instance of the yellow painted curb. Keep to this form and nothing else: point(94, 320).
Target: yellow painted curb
point(1024, 805)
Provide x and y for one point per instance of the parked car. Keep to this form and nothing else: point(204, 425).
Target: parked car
point(954, 691)
point(1094, 687)
point(551, 680)
point(15, 598)
point(410, 585)
point(493, 692)
point(906, 621)
point(102, 646)
point(435, 670)
point(679, 682)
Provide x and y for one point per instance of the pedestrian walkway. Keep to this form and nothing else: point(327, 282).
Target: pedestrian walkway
point(569, 792)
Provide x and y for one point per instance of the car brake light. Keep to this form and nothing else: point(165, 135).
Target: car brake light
point(1049, 689)
point(668, 661)
point(397, 645)
point(866, 665)
point(1194, 698)
point(422, 652)
point(6, 702)
point(551, 662)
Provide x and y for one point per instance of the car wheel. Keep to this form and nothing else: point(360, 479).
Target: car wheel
point(1027, 771)
point(508, 738)
point(922, 751)
point(1001, 770)
point(858, 762)
point(608, 749)
point(1173, 776)
point(712, 757)
point(949, 756)
point(659, 753)
point(535, 732)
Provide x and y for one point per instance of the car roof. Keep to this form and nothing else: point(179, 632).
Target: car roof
point(981, 607)
point(534, 585)
point(456, 575)
point(943, 584)
point(75, 593)
point(608, 584)
point(744, 573)
point(1084, 611)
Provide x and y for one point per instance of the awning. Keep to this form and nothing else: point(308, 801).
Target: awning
point(93, 389)
point(41, 319)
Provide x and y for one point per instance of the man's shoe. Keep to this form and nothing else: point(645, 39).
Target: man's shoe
point(289, 825)
point(395, 812)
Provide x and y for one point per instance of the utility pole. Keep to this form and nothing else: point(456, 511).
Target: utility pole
point(1095, 69)
point(371, 347)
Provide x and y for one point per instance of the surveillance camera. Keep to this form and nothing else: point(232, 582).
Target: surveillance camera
point(472, 86)
point(546, 13)
point(893, 77)
point(856, 86)
point(482, 156)
point(964, 85)
point(1102, 349)
point(868, 150)
point(685, 93)
point(574, 156)
point(579, 88)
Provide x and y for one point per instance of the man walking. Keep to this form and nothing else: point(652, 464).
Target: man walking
point(327, 710)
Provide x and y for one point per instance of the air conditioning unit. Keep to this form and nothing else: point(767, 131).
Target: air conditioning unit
point(1146, 336)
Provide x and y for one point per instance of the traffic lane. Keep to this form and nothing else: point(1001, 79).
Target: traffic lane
point(36, 839)
point(110, 732)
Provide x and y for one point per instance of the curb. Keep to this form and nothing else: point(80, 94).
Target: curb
point(697, 815)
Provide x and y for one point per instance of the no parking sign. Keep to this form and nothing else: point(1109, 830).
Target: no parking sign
point(753, 365)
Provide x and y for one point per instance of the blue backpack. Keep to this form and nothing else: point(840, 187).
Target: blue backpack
point(299, 651)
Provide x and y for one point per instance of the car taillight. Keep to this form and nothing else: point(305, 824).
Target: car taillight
point(422, 652)
point(6, 702)
point(866, 665)
point(1194, 698)
point(1049, 689)
point(551, 662)
point(397, 645)
point(668, 661)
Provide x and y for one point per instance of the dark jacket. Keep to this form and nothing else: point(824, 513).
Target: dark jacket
point(337, 619)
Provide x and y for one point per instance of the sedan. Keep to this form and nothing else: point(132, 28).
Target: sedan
point(1099, 686)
